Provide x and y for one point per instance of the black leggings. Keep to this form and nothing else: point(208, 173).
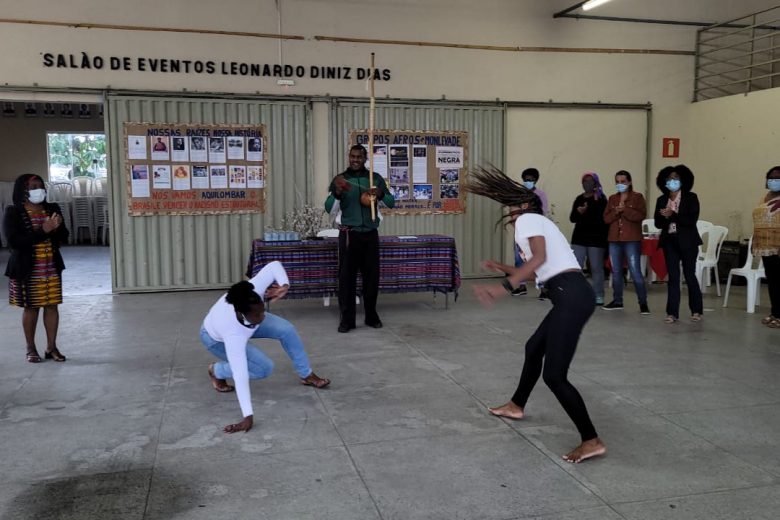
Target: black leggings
point(553, 345)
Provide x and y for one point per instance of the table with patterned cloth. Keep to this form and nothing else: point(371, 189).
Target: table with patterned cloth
point(407, 264)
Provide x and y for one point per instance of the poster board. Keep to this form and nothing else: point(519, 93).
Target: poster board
point(194, 169)
point(424, 169)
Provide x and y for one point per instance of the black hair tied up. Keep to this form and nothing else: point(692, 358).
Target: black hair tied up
point(242, 296)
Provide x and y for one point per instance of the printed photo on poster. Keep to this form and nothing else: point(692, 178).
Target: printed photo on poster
point(179, 149)
point(48, 110)
point(161, 176)
point(420, 163)
point(449, 157)
point(139, 184)
point(181, 177)
point(218, 176)
point(254, 177)
point(254, 149)
point(200, 177)
point(66, 110)
point(399, 175)
point(160, 151)
point(449, 191)
point(30, 110)
point(216, 149)
point(85, 111)
point(380, 160)
point(235, 148)
point(423, 191)
point(136, 147)
point(399, 155)
point(400, 192)
point(198, 151)
point(237, 176)
point(9, 110)
point(448, 176)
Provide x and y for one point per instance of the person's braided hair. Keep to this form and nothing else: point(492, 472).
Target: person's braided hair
point(489, 181)
point(242, 296)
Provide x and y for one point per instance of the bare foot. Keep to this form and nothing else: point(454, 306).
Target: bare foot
point(509, 410)
point(586, 450)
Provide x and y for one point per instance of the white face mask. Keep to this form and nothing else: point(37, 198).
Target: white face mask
point(37, 196)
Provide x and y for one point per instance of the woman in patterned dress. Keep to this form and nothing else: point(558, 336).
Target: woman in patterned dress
point(766, 242)
point(35, 231)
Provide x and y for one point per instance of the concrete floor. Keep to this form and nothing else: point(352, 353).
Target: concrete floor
point(129, 427)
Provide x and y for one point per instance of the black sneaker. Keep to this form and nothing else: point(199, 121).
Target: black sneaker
point(644, 309)
point(612, 306)
point(520, 291)
point(543, 294)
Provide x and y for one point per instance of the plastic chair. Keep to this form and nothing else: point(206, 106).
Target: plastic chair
point(61, 193)
point(703, 226)
point(709, 260)
point(648, 227)
point(100, 187)
point(100, 212)
point(753, 277)
point(83, 218)
point(83, 186)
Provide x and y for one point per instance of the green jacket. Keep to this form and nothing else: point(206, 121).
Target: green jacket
point(354, 215)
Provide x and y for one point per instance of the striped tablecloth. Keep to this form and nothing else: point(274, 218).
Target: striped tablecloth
point(408, 264)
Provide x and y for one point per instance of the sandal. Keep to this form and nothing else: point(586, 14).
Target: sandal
point(54, 354)
point(769, 319)
point(33, 356)
point(315, 381)
point(774, 324)
point(696, 317)
point(670, 319)
point(220, 385)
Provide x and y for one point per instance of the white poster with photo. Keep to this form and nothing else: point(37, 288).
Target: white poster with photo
point(218, 174)
point(160, 150)
point(399, 155)
point(449, 157)
point(419, 163)
point(180, 149)
point(161, 176)
point(238, 176)
point(254, 177)
point(217, 149)
point(380, 160)
point(235, 148)
point(136, 147)
point(254, 149)
point(198, 149)
point(181, 177)
point(200, 177)
point(139, 183)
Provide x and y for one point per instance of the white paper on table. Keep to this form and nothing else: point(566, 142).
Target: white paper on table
point(419, 163)
point(407, 237)
point(136, 147)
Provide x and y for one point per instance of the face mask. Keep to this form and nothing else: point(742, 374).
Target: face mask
point(673, 184)
point(621, 188)
point(773, 185)
point(37, 196)
point(529, 184)
point(588, 185)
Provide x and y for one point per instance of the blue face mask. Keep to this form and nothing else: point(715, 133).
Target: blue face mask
point(773, 185)
point(673, 184)
point(529, 184)
point(621, 188)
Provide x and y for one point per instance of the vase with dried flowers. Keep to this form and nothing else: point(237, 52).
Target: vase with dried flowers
point(306, 220)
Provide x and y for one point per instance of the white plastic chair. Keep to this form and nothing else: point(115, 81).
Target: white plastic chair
point(753, 277)
point(6, 200)
point(708, 261)
point(100, 213)
point(83, 186)
point(703, 226)
point(648, 227)
point(61, 193)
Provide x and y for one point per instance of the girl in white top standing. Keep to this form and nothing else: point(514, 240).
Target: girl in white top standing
point(238, 316)
point(551, 348)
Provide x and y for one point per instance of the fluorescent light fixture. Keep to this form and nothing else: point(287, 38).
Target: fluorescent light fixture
point(592, 4)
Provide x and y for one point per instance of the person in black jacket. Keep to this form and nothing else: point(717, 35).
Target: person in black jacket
point(676, 214)
point(589, 238)
point(35, 230)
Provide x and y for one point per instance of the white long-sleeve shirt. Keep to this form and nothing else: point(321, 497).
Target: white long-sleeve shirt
point(222, 324)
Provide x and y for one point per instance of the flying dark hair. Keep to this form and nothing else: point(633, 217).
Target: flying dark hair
point(682, 171)
point(494, 184)
point(359, 147)
point(242, 296)
point(531, 172)
point(772, 169)
point(627, 176)
point(20, 187)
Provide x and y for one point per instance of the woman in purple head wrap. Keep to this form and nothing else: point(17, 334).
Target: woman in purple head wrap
point(589, 239)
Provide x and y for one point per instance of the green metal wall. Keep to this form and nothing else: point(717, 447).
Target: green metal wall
point(156, 253)
point(474, 231)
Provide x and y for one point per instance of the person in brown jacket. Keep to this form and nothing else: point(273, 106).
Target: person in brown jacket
point(625, 212)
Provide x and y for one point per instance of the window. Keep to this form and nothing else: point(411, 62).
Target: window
point(71, 155)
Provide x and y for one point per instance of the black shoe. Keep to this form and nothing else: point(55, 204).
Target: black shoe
point(520, 291)
point(343, 327)
point(644, 309)
point(543, 294)
point(612, 306)
point(375, 324)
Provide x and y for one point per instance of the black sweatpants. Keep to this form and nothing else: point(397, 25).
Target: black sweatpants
point(772, 270)
point(553, 346)
point(358, 252)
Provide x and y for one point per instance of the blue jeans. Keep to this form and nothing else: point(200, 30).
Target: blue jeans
point(631, 251)
point(260, 365)
point(595, 256)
